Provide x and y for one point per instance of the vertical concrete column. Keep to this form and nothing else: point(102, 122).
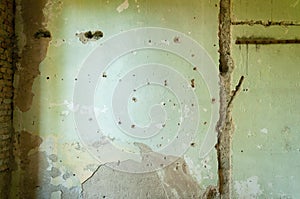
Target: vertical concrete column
point(6, 91)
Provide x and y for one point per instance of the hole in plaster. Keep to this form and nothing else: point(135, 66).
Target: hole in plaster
point(42, 34)
point(84, 37)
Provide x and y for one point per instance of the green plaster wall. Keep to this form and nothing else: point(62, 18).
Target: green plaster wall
point(266, 150)
point(53, 162)
point(64, 162)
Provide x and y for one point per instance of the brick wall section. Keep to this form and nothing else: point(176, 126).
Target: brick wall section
point(6, 81)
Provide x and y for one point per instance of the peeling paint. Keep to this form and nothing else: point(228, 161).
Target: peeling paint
point(33, 52)
point(123, 6)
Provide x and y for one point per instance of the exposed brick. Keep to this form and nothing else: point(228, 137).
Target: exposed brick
point(6, 81)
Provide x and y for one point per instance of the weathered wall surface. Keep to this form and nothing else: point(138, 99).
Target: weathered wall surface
point(266, 113)
point(6, 92)
point(51, 161)
point(257, 147)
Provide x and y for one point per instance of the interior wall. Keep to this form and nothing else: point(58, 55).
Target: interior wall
point(54, 41)
point(255, 46)
point(6, 93)
point(266, 139)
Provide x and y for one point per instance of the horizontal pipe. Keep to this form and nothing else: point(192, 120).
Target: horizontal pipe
point(266, 41)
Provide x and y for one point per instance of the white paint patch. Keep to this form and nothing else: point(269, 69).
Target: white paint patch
point(123, 6)
point(264, 130)
point(56, 195)
point(248, 189)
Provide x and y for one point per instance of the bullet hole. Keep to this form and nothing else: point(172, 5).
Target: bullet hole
point(245, 89)
point(47, 77)
point(88, 35)
point(192, 55)
point(75, 79)
point(62, 79)
point(214, 45)
point(193, 83)
point(213, 100)
point(103, 197)
point(90, 119)
point(148, 83)
point(104, 75)
point(193, 144)
point(216, 5)
point(192, 104)
point(32, 122)
point(134, 99)
point(134, 90)
point(119, 122)
point(170, 100)
point(178, 124)
point(133, 75)
point(174, 104)
point(204, 123)
point(164, 103)
point(77, 157)
point(149, 41)
point(194, 17)
point(84, 37)
point(132, 126)
point(96, 35)
point(74, 174)
point(195, 68)
point(242, 151)
point(165, 157)
point(176, 39)
point(163, 125)
point(205, 166)
point(166, 83)
point(42, 34)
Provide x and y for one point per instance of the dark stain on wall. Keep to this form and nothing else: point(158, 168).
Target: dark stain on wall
point(33, 53)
